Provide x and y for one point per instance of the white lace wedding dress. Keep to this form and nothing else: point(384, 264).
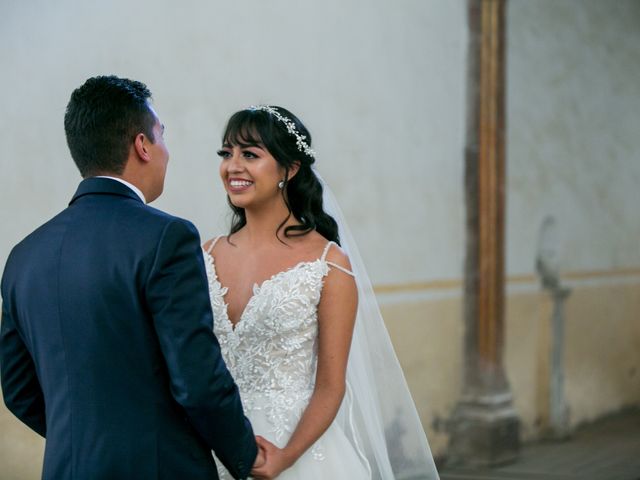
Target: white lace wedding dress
point(272, 354)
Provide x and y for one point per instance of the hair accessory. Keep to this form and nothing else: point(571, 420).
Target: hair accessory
point(291, 128)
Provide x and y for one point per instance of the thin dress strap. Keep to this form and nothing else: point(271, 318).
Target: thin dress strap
point(326, 250)
point(335, 265)
point(213, 244)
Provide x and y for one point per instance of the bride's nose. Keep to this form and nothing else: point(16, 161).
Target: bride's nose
point(236, 163)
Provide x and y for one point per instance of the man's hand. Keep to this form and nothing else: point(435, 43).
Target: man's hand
point(276, 460)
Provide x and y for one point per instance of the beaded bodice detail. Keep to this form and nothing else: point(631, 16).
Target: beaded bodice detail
point(272, 350)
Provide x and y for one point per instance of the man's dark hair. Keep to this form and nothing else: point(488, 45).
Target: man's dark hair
point(103, 118)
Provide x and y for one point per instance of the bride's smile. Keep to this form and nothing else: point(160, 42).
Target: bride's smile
point(238, 185)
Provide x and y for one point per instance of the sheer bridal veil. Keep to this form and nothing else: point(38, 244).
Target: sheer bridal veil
point(378, 413)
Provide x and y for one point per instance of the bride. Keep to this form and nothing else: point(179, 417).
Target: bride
point(296, 319)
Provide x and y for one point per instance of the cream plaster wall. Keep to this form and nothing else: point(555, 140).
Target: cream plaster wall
point(573, 152)
point(427, 336)
point(601, 358)
point(21, 450)
point(380, 85)
point(601, 353)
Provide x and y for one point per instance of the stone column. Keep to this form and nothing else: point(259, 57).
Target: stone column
point(485, 427)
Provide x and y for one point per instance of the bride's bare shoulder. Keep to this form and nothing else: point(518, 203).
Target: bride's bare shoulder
point(338, 256)
point(331, 250)
point(311, 244)
point(210, 245)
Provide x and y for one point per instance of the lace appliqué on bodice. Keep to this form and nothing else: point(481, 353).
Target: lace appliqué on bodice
point(272, 351)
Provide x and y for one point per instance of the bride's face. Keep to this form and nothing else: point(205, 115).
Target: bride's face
point(250, 175)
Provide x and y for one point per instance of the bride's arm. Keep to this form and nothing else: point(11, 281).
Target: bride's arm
point(336, 318)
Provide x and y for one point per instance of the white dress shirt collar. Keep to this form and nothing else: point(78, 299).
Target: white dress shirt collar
point(135, 189)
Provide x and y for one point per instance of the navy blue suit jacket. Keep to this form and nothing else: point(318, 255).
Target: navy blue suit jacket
point(107, 349)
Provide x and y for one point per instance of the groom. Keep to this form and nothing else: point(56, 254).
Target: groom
point(106, 343)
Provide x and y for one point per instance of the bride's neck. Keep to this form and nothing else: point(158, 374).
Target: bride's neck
point(261, 225)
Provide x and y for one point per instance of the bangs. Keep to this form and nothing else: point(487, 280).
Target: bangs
point(244, 129)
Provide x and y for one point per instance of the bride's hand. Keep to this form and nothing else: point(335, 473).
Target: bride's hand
point(276, 460)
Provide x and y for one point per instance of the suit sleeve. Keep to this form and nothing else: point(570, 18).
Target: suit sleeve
point(177, 295)
point(21, 389)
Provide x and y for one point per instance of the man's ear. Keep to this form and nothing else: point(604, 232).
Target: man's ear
point(140, 144)
point(293, 169)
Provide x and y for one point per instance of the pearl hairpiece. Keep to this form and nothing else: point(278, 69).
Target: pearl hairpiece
point(291, 128)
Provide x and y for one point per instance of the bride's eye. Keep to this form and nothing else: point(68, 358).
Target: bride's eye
point(224, 153)
point(248, 154)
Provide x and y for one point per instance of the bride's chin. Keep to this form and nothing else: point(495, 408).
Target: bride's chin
point(238, 202)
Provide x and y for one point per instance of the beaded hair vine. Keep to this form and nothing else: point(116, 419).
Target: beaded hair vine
point(291, 128)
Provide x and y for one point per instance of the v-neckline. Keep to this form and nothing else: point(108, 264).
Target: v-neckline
point(256, 289)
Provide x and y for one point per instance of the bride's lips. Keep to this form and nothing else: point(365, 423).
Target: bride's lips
point(238, 185)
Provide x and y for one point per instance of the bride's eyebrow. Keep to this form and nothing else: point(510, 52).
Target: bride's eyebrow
point(245, 145)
